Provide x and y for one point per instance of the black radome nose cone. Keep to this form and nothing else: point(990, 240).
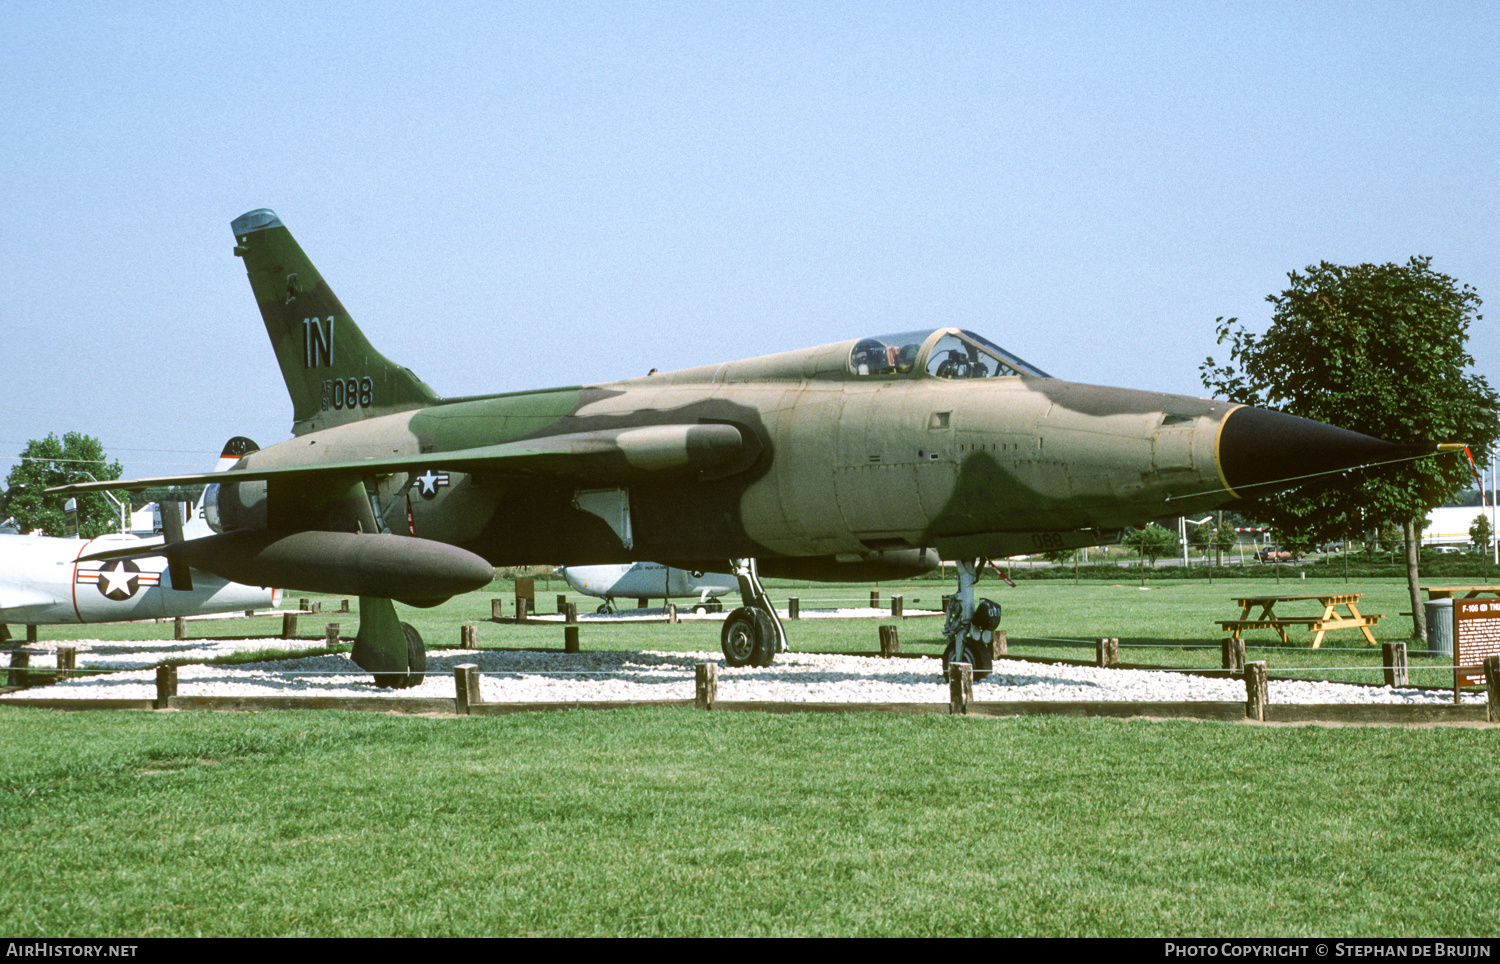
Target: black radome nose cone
point(1258, 448)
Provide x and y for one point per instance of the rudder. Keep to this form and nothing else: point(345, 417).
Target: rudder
point(332, 372)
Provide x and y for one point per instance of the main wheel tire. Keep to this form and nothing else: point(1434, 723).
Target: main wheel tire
point(748, 638)
point(737, 637)
point(700, 609)
point(416, 663)
point(975, 654)
point(603, 609)
point(765, 638)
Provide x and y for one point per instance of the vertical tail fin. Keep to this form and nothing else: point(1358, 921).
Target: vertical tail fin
point(331, 371)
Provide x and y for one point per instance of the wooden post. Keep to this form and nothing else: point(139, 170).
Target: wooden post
point(890, 641)
point(497, 607)
point(525, 592)
point(671, 612)
point(642, 602)
point(317, 606)
point(1000, 645)
point(67, 661)
point(571, 613)
point(1233, 653)
point(706, 678)
point(1393, 655)
point(570, 639)
point(31, 632)
point(288, 625)
point(331, 635)
point(874, 598)
point(1107, 652)
point(960, 687)
point(343, 605)
point(897, 602)
point(468, 636)
point(1492, 687)
point(166, 686)
point(466, 682)
point(562, 603)
point(19, 660)
point(303, 604)
point(1255, 690)
point(793, 608)
point(179, 628)
point(521, 608)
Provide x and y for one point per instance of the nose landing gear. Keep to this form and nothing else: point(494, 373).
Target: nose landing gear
point(970, 626)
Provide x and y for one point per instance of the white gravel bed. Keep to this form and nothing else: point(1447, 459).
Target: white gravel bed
point(795, 677)
point(143, 653)
point(686, 614)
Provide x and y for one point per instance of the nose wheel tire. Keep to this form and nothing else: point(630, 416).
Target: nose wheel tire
point(748, 638)
point(975, 653)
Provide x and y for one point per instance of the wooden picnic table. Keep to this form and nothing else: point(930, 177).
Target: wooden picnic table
point(1330, 619)
point(1451, 592)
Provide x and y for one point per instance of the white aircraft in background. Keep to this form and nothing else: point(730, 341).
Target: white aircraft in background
point(650, 580)
point(42, 581)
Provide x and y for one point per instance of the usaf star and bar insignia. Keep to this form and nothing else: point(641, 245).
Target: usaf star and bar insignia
point(118, 580)
point(429, 482)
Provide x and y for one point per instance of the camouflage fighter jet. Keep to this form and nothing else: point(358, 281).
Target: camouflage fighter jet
point(852, 460)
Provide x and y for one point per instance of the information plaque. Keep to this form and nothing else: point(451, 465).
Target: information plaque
point(1476, 635)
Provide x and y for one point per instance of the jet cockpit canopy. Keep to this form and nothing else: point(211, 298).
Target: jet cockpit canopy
point(943, 353)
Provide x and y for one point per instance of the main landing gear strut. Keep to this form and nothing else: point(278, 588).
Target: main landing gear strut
point(970, 627)
point(752, 634)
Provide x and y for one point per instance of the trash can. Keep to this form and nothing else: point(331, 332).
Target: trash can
point(1439, 627)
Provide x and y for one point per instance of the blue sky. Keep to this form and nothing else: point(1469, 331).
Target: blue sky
point(516, 195)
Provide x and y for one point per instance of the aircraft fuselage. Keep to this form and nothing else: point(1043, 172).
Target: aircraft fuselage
point(832, 465)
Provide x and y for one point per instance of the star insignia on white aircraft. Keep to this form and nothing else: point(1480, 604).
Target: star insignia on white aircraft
point(429, 482)
point(118, 580)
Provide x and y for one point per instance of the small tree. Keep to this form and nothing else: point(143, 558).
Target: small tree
point(1481, 534)
point(1152, 542)
point(46, 463)
point(1202, 538)
point(1225, 539)
point(1377, 349)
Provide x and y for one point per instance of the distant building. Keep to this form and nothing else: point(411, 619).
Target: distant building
point(1449, 526)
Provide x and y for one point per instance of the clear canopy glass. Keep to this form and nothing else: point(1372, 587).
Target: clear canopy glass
point(944, 353)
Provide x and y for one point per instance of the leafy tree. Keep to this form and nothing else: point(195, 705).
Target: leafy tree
point(1153, 542)
point(48, 462)
point(1202, 538)
point(1377, 349)
point(1480, 533)
point(1225, 539)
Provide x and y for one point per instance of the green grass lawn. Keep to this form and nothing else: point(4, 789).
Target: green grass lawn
point(657, 822)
